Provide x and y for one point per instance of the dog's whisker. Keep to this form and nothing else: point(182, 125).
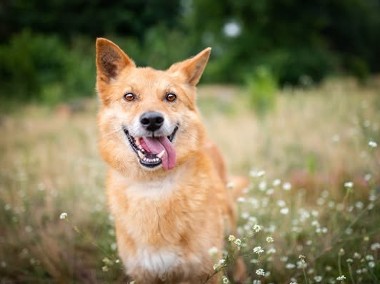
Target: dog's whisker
point(113, 132)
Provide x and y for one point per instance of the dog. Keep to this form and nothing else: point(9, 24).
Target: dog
point(166, 182)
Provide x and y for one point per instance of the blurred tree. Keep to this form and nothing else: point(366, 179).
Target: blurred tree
point(89, 17)
point(294, 37)
point(298, 41)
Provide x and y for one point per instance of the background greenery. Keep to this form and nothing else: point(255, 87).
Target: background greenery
point(311, 150)
point(47, 47)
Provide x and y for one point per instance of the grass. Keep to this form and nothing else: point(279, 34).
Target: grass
point(311, 214)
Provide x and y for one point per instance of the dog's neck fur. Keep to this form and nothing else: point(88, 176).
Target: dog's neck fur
point(155, 184)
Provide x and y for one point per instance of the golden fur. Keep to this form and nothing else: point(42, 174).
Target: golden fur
point(166, 219)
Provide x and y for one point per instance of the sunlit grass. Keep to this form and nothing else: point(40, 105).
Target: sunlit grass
point(311, 214)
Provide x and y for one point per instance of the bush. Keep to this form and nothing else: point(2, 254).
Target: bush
point(28, 62)
point(262, 88)
point(40, 68)
point(291, 65)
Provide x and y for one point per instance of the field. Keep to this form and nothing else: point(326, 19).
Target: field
point(311, 215)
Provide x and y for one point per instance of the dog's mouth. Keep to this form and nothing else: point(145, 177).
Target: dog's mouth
point(154, 151)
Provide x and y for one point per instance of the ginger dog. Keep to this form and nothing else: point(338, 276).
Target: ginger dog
point(166, 183)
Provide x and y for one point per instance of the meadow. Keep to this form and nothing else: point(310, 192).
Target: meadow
point(311, 214)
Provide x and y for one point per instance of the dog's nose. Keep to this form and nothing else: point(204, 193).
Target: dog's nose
point(152, 120)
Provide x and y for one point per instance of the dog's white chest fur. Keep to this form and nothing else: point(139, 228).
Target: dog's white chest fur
point(154, 189)
point(156, 262)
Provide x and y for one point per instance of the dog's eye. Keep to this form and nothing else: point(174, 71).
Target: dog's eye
point(129, 97)
point(171, 97)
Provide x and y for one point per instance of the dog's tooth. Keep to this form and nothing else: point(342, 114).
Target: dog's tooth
point(141, 155)
point(160, 155)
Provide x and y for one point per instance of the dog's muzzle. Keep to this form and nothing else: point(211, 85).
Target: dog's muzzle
point(154, 150)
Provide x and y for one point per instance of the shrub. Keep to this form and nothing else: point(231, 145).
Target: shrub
point(28, 62)
point(262, 89)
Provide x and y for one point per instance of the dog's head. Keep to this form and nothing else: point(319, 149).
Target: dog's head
point(147, 116)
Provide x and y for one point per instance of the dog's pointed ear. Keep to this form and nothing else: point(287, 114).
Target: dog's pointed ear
point(110, 60)
point(192, 69)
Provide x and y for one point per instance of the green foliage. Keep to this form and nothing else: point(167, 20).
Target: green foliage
point(28, 62)
point(161, 47)
point(47, 48)
point(68, 18)
point(262, 89)
point(294, 38)
point(292, 65)
point(42, 68)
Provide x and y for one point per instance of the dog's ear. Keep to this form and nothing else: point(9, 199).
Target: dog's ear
point(191, 69)
point(110, 60)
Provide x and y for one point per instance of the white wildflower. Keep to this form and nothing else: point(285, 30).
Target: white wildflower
point(260, 271)
point(349, 231)
point(372, 144)
point(348, 184)
point(359, 205)
point(284, 211)
point(276, 182)
point(357, 255)
point(314, 213)
point(262, 185)
point(367, 177)
point(256, 173)
point(284, 258)
point(301, 264)
point(270, 191)
point(318, 278)
point(213, 251)
point(336, 138)
point(231, 238)
point(341, 278)
point(258, 250)
point(219, 265)
point(371, 264)
point(375, 246)
point(269, 240)
point(315, 223)
point(290, 266)
point(256, 228)
point(241, 200)
point(63, 216)
point(287, 186)
point(237, 242)
point(113, 246)
point(245, 215)
point(225, 280)
point(271, 250)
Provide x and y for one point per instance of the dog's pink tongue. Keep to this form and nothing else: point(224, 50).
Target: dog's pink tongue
point(157, 145)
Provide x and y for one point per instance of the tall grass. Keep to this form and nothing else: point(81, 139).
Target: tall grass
point(311, 214)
